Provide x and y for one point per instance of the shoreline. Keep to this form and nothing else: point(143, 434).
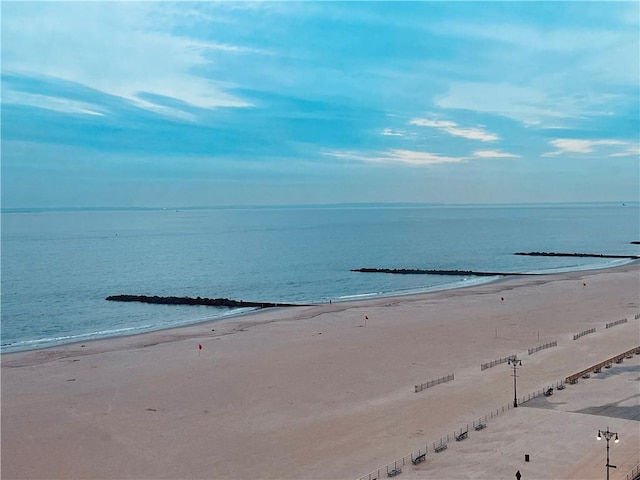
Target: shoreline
point(322, 392)
point(241, 315)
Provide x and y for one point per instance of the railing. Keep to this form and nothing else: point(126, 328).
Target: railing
point(617, 322)
point(634, 473)
point(395, 468)
point(431, 383)
point(542, 347)
point(596, 368)
point(582, 334)
point(392, 469)
point(493, 363)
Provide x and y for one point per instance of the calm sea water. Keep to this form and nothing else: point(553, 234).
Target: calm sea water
point(58, 267)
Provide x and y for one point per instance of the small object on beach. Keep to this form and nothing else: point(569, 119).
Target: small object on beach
point(213, 329)
point(71, 379)
point(584, 284)
point(501, 299)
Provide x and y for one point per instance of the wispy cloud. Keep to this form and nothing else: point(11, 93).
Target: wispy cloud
point(628, 151)
point(58, 104)
point(452, 128)
point(526, 104)
point(134, 57)
point(413, 157)
point(580, 146)
point(493, 154)
point(309, 87)
point(409, 157)
point(545, 70)
point(393, 133)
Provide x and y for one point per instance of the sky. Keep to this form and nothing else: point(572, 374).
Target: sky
point(166, 104)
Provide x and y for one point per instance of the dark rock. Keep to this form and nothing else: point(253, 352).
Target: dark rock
point(410, 271)
point(556, 254)
point(212, 302)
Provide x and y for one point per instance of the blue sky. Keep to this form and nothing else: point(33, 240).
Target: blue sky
point(221, 103)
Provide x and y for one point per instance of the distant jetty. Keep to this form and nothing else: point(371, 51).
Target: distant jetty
point(412, 271)
point(555, 254)
point(210, 302)
point(469, 273)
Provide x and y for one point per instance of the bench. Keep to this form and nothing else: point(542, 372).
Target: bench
point(597, 370)
point(394, 472)
point(480, 426)
point(607, 365)
point(548, 392)
point(441, 447)
point(419, 459)
point(619, 360)
point(586, 375)
point(561, 386)
point(462, 436)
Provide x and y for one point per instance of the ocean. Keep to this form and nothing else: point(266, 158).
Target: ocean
point(58, 266)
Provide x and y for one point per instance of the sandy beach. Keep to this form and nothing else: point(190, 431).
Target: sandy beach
point(328, 391)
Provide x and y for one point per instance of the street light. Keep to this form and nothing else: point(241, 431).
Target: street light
point(515, 363)
point(608, 436)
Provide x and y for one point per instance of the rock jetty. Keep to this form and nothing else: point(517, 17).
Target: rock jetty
point(211, 302)
point(412, 271)
point(556, 254)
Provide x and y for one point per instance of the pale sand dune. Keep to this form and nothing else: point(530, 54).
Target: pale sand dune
point(311, 393)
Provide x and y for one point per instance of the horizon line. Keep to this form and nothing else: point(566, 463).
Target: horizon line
point(302, 206)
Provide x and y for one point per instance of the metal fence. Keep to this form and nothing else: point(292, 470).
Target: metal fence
point(634, 473)
point(617, 322)
point(542, 347)
point(582, 334)
point(431, 383)
point(395, 468)
point(493, 363)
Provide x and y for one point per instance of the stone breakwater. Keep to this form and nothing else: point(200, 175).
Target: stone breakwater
point(556, 254)
point(412, 271)
point(212, 302)
point(416, 271)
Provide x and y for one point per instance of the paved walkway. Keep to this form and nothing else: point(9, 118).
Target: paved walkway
point(558, 433)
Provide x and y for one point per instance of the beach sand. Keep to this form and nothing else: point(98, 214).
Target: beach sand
point(313, 392)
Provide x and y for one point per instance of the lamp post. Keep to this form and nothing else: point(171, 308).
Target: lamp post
point(515, 363)
point(608, 436)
